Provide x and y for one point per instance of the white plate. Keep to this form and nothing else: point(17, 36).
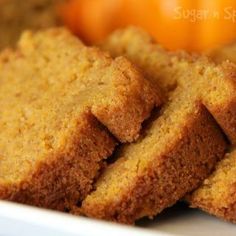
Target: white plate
point(16, 219)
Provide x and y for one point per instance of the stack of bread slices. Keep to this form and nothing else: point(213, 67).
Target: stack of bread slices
point(116, 132)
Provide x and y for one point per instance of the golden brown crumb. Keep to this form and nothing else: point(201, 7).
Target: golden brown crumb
point(217, 194)
point(57, 100)
point(178, 149)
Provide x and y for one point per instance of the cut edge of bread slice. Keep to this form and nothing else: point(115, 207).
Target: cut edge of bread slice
point(59, 102)
point(141, 183)
point(217, 194)
point(64, 176)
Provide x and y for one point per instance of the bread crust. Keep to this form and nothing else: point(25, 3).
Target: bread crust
point(227, 118)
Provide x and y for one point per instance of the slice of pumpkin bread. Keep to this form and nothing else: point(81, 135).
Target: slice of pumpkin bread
point(58, 99)
point(217, 195)
point(179, 148)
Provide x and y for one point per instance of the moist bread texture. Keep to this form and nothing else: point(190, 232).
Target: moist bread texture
point(19, 15)
point(58, 100)
point(217, 194)
point(171, 158)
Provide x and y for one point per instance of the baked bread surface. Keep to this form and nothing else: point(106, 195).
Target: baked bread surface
point(217, 194)
point(181, 146)
point(59, 103)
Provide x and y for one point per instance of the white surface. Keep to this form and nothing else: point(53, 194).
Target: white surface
point(181, 220)
point(17, 220)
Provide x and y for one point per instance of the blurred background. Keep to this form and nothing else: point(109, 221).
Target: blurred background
point(194, 25)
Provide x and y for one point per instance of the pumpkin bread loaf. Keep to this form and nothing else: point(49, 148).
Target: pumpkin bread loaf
point(180, 147)
point(58, 99)
point(217, 195)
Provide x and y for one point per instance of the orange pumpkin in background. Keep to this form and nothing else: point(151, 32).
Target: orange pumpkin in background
point(194, 25)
